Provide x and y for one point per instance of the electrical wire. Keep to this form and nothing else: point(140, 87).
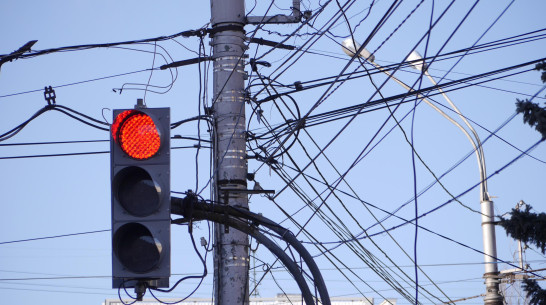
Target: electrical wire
point(447, 86)
point(32, 54)
point(275, 135)
point(466, 51)
point(166, 88)
point(76, 83)
point(54, 236)
point(199, 277)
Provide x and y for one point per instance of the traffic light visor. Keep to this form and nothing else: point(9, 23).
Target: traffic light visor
point(137, 134)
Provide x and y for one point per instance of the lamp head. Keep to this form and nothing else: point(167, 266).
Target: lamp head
point(416, 61)
point(350, 47)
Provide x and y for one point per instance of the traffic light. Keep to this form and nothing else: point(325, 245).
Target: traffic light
point(140, 175)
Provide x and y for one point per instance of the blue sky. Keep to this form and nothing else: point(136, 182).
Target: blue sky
point(50, 196)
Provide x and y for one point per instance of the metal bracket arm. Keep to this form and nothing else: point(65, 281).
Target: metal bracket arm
point(294, 18)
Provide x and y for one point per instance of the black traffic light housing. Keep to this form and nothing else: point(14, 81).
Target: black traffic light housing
point(140, 176)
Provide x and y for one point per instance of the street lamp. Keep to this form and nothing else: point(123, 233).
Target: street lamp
point(491, 275)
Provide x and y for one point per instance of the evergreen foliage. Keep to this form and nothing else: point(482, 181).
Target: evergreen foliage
point(534, 114)
point(537, 295)
point(529, 228)
point(542, 67)
point(526, 226)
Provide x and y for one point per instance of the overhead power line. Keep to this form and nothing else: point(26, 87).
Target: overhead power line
point(31, 54)
point(54, 236)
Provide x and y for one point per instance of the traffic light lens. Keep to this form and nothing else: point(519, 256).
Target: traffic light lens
point(137, 134)
point(137, 192)
point(136, 248)
point(117, 122)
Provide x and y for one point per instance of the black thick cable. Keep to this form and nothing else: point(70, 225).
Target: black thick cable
point(82, 120)
point(366, 256)
point(20, 127)
point(63, 109)
point(311, 237)
point(177, 208)
point(285, 234)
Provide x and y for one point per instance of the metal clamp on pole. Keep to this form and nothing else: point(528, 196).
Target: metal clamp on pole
point(294, 18)
point(226, 192)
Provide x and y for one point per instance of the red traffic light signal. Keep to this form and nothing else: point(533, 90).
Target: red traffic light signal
point(137, 134)
point(140, 170)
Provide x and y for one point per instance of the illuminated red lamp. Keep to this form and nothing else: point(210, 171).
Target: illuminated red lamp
point(137, 134)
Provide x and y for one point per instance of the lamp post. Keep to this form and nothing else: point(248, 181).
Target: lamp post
point(491, 275)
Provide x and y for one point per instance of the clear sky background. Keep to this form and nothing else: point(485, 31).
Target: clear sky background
point(58, 195)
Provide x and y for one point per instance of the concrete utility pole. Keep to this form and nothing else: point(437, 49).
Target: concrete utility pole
point(231, 259)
